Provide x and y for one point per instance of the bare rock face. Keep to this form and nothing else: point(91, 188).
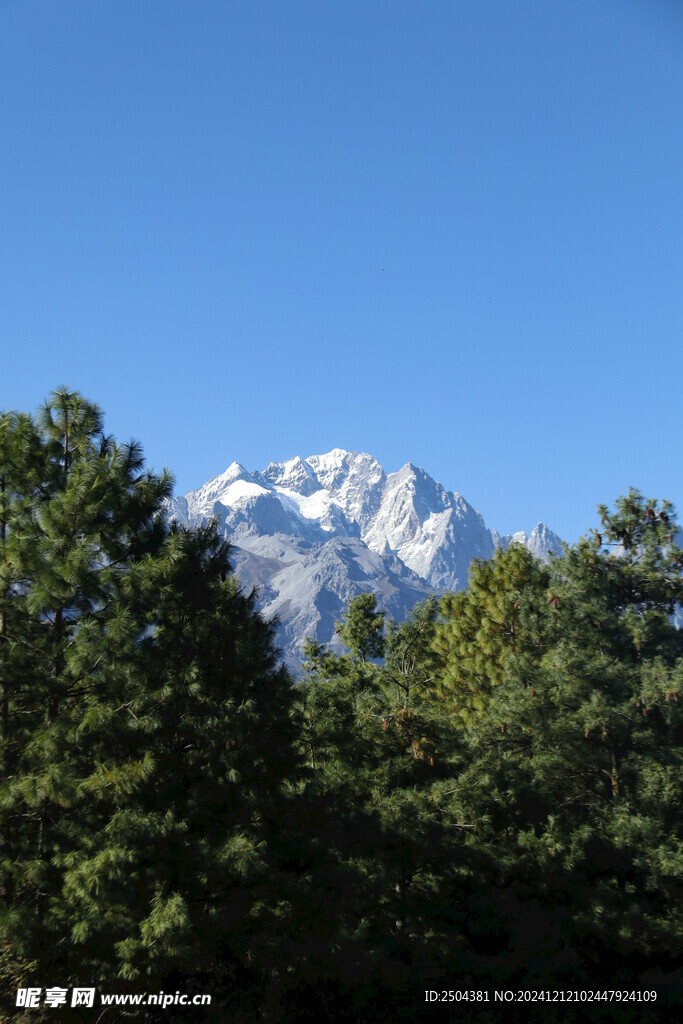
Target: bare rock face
point(433, 531)
point(310, 534)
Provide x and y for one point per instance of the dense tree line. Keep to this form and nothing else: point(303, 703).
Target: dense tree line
point(484, 796)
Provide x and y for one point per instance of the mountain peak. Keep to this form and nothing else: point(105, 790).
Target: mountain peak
point(235, 471)
point(332, 458)
point(294, 474)
point(312, 533)
point(541, 542)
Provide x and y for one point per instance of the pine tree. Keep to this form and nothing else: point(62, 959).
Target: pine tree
point(147, 731)
point(411, 662)
point(362, 628)
point(574, 764)
point(479, 629)
point(381, 758)
point(77, 515)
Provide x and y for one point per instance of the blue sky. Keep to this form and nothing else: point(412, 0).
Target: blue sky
point(445, 232)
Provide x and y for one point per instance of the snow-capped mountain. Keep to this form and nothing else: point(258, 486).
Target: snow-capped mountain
point(312, 533)
point(540, 542)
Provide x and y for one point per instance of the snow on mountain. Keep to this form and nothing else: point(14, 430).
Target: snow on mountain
point(228, 488)
point(541, 542)
point(312, 533)
point(294, 475)
point(355, 479)
point(434, 532)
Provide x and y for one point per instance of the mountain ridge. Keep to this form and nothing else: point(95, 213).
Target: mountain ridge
point(311, 533)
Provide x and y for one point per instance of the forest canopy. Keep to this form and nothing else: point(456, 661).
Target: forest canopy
point(487, 792)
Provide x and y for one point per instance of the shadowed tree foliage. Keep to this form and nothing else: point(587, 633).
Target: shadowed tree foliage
point(484, 796)
point(481, 628)
point(361, 631)
point(576, 758)
point(147, 732)
point(381, 758)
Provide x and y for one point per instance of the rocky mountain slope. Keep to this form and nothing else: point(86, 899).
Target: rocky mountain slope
point(312, 533)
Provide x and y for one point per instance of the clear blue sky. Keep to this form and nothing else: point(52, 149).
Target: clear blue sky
point(442, 232)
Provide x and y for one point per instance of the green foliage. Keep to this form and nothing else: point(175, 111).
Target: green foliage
point(513, 764)
point(492, 786)
point(380, 756)
point(481, 628)
point(147, 732)
point(361, 630)
point(576, 759)
point(411, 661)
